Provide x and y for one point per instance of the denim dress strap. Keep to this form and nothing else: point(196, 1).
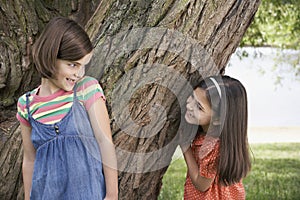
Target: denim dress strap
point(27, 103)
point(68, 165)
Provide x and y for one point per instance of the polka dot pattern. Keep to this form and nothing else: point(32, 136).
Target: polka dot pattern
point(206, 151)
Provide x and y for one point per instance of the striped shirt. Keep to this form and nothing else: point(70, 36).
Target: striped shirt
point(53, 108)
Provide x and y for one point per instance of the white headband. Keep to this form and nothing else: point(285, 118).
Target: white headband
point(217, 86)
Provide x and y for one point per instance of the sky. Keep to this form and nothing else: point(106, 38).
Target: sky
point(269, 104)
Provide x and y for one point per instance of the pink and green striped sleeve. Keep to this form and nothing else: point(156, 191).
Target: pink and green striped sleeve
point(22, 113)
point(88, 91)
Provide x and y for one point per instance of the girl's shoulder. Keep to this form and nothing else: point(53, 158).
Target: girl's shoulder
point(87, 80)
point(88, 90)
point(203, 139)
point(88, 84)
point(198, 140)
point(22, 114)
point(22, 99)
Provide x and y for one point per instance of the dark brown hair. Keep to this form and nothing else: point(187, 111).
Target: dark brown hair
point(230, 110)
point(62, 38)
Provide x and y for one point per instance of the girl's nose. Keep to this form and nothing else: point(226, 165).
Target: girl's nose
point(188, 103)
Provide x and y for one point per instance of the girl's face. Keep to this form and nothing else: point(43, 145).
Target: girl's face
point(198, 110)
point(69, 72)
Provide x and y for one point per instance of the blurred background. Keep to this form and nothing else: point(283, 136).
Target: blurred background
point(268, 64)
point(273, 91)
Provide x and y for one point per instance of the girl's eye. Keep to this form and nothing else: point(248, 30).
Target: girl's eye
point(72, 65)
point(199, 106)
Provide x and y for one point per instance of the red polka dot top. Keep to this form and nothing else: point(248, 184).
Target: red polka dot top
point(206, 152)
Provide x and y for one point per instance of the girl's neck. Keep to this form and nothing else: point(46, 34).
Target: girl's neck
point(47, 88)
point(205, 128)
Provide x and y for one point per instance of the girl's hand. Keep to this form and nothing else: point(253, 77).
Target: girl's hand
point(185, 139)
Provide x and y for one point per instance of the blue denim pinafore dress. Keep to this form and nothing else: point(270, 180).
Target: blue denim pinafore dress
point(68, 163)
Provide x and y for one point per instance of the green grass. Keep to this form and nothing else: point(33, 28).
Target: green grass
point(275, 174)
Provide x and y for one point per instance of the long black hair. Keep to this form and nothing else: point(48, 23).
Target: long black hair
point(228, 101)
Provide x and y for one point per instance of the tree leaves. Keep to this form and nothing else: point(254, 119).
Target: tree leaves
point(276, 24)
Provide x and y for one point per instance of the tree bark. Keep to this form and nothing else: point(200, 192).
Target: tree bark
point(147, 56)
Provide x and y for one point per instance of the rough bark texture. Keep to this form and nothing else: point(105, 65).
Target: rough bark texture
point(147, 53)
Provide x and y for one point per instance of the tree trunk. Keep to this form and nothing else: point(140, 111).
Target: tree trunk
point(147, 56)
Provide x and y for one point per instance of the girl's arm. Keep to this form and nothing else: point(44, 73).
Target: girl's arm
point(101, 125)
point(200, 182)
point(28, 159)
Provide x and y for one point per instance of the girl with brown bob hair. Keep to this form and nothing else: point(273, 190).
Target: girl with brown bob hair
point(61, 39)
point(65, 127)
point(218, 158)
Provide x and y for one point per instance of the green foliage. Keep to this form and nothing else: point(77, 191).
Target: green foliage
point(276, 24)
point(274, 175)
point(275, 172)
point(173, 181)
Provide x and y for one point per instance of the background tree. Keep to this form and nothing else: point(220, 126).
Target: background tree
point(276, 24)
point(147, 54)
